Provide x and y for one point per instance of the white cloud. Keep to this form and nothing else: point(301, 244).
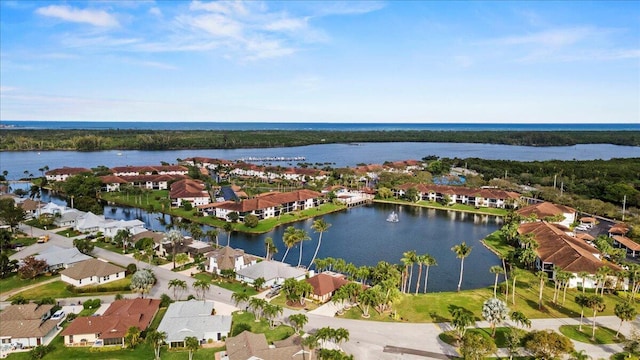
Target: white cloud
point(99, 18)
point(550, 38)
point(155, 11)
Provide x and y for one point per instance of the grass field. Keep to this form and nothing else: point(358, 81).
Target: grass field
point(58, 289)
point(15, 282)
point(232, 285)
point(262, 327)
point(454, 207)
point(604, 335)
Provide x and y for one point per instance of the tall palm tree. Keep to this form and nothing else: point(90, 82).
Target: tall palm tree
point(584, 275)
point(270, 248)
point(228, 228)
point(240, 297)
point(543, 277)
point(581, 300)
point(192, 344)
point(289, 239)
point(406, 261)
point(175, 237)
point(420, 260)
point(178, 286)
point(515, 272)
point(212, 234)
point(462, 251)
point(319, 226)
point(298, 321)
point(201, 287)
point(156, 338)
point(428, 262)
point(301, 237)
point(625, 312)
point(497, 270)
point(413, 259)
point(597, 304)
point(603, 273)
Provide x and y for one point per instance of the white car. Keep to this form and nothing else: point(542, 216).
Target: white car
point(58, 315)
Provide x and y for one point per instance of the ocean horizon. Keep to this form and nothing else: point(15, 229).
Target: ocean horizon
point(319, 126)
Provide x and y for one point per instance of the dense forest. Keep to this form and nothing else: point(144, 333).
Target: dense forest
point(91, 140)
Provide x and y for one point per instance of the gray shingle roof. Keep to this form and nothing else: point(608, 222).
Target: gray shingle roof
point(270, 270)
point(193, 318)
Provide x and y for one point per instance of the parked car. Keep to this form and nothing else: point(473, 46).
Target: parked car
point(58, 315)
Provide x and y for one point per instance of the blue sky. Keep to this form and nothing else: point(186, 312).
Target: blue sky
point(317, 61)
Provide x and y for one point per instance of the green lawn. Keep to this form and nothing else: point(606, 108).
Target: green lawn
point(262, 327)
point(142, 351)
point(604, 335)
point(232, 285)
point(454, 207)
point(158, 318)
point(15, 282)
point(58, 289)
point(69, 233)
point(281, 300)
point(500, 339)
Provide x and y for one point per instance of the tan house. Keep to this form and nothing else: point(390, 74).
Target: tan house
point(545, 211)
point(250, 346)
point(325, 284)
point(92, 271)
point(188, 190)
point(112, 326)
point(558, 249)
point(27, 324)
point(63, 173)
point(227, 258)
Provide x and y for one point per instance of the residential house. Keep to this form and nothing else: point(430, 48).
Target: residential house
point(631, 246)
point(194, 318)
point(92, 271)
point(110, 228)
point(325, 284)
point(493, 198)
point(112, 326)
point(227, 258)
point(64, 173)
point(27, 324)
point(188, 190)
point(61, 258)
point(546, 211)
point(149, 170)
point(250, 346)
point(557, 249)
point(32, 208)
point(68, 218)
point(112, 183)
point(273, 272)
point(89, 222)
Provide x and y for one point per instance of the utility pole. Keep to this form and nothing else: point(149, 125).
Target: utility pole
point(624, 204)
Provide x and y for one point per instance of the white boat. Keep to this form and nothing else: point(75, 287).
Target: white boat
point(393, 217)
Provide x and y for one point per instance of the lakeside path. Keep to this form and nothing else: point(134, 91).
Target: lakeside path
point(367, 339)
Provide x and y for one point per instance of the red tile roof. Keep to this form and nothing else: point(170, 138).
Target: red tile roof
point(545, 209)
point(67, 171)
point(188, 188)
point(628, 243)
point(324, 284)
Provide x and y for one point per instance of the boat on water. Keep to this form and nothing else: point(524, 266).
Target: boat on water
point(393, 217)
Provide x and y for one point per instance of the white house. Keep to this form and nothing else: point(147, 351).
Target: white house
point(92, 271)
point(27, 324)
point(111, 227)
point(61, 258)
point(63, 173)
point(227, 258)
point(273, 272)
point(194, 318)
point(189, 190)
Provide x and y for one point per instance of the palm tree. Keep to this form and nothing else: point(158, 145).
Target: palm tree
point(298, 321)
point(319, 226)
point(579, 355)
point(413, 259)
point(192, 344)
point(228, 228)
point(462, 251)
point(497, 270)
point(289, 239)
point(428, 262)
point(301, 237)
point(132, 337)
point(420, 261)
point(521, 319)
point(597, 304)
point(581, 300)
point(603, 273)
point(256, 305)
point(625, 312)
point(123, 236)
point(240, 297)
point(494, 311)
point(270, 247)
point(175, 237)
point(515, 272)
point(543, 277)
point(584, 275)
point(178, 286)
point(271, 311)
point(406, 261)
point(566, 279)
point(212, 234)
point(201, 287)
point(156, 338)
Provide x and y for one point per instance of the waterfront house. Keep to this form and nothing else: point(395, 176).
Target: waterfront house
point(92, 271)
point(273, 272)
point(112, 326)
point(148, 182)
point(550, 212)
point(27, 324)
point(67, 218)
point(194, 318)
point(558, 249)
point(150, 170)
point(492, 198)
point(227, 258)
point(63, 173)
point(188, 190)
point(32, 208)
point(250, 346)
point(325, 284)
point(61, 258)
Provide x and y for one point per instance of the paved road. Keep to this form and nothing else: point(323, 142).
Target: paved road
point(367, 339)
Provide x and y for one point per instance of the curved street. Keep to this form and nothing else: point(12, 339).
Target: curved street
point(367, 339)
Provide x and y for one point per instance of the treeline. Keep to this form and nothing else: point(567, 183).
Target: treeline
point(608, 180)
point(112, 139)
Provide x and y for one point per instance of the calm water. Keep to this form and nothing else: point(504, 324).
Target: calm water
point(340, 155)
point(186, 125)
point(362, 236)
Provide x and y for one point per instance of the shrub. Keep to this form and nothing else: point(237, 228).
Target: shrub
point(191, 297)
point(71, 317)
point(91, 304)
point(19, 300)
point(131, 268)
point(165, 300)
point(40, 351)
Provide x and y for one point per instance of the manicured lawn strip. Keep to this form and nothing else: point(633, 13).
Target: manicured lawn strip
point(111, 247)
point(69, 233)
point(141, 351)
point(604, 335)
point(58, 289)
point(454, 207)
point(15, 282)
point(158, 318)
point(495, 244)
point(262, 327)
point(281, 300)
point(234, 286)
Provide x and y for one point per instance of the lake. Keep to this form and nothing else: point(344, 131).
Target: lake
point(339, 155)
